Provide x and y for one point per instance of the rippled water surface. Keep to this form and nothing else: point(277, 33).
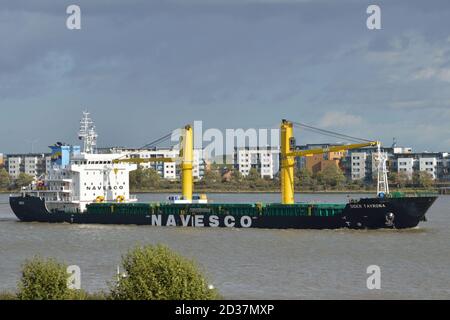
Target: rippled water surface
point(252, 263)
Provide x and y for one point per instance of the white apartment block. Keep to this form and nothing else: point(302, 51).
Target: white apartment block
point(429, 165)
point(420, 163)
point(14, 164)
point(265, 160)
point(358, 165)
point(31, 164)
point(406, 165)
point(167, 170)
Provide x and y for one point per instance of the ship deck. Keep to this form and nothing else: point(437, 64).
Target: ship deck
point(236, 209)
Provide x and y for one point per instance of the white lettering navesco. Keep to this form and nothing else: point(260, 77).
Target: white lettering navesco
point(200, 221)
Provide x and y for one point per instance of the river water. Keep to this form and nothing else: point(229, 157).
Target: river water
point(252, 263)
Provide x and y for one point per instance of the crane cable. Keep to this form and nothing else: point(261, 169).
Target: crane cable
point(329, 133)
point(154, 143)
point(157, 142)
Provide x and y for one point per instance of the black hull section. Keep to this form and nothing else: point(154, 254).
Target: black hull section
point(366, 213)
point(400, 213)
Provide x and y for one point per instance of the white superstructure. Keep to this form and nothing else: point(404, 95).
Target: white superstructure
point(86, 178)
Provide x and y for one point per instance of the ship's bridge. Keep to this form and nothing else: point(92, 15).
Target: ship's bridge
point(97, 178)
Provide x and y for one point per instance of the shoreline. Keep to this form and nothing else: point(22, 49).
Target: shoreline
point(200, 191)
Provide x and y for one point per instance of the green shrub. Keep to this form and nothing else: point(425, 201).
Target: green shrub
point(83, 295)
point(43, 279)
point(8, 296)
point(158, 273)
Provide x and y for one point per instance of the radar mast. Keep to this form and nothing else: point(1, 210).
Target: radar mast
point(87, 133)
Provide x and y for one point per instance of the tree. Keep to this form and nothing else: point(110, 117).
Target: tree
point(423, 179)
point(303, 178)
point(254, 180)
point(144, 179)
point(136, 178)
point(253, 175)
point(356, 184)
point(43, 279)
point(331, 176)
point(5, 180)
point(211, 178)
point(23, 180)
point(392, 177)
point(400, 179)
point(236, 177)
point(151, 179)
point(158, 273)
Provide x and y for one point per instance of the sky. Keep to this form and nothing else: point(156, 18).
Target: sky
point(143, 68)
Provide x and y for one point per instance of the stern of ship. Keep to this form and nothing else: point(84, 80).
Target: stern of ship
point(29, 208)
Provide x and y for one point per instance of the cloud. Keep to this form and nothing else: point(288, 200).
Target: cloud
point(428, 73)
point(439, 104)
point(336, 119)
point(410, 57)
point(146, 66)
point(28, 81)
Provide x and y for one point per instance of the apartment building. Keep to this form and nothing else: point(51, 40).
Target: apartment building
point(361, 164)
point(318, 162)
point(429, 164)
point(167, 170)
point(406, 166)
point(264, 159)
point(435, 163)
point(32, 164)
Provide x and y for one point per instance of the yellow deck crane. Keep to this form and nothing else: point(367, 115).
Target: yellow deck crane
point(186, 156)
point(288, 155)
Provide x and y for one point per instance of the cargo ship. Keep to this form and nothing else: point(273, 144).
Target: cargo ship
point(88, 188)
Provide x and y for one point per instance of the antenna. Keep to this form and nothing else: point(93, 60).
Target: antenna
point(32, 142)
point(394, 142)
point(87, 133)
point(382, 173)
